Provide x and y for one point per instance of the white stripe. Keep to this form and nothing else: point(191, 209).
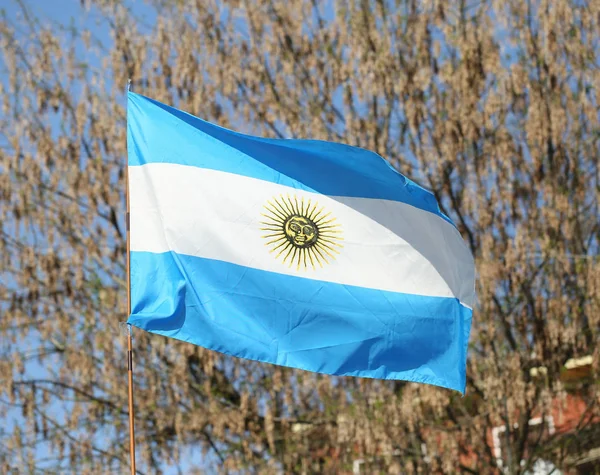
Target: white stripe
point(388, 245)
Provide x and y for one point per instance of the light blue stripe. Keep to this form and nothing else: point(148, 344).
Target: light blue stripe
point(158, 133)
point(299, 322)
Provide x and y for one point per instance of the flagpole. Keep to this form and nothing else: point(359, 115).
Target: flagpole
point(129, 339)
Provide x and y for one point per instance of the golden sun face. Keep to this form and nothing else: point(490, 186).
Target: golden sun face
point(301, 232)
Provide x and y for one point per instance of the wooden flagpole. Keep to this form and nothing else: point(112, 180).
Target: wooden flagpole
point(129, 339)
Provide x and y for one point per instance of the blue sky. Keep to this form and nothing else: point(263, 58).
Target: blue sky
point(66, 13)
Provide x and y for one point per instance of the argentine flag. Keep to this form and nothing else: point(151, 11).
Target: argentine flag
point(301, 253)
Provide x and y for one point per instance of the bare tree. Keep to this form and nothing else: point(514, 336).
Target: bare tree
point(493, 105)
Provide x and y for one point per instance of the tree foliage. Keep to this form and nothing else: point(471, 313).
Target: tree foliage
point(493, 105)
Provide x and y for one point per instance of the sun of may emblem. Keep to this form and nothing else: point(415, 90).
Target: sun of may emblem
point(300, 232)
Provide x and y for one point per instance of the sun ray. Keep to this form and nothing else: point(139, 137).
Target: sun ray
point(314, 219)
point(285, 206)
point(292, 248)
point(330, 226)
point(318, 251)
point(331, 237)
point(272, 221)
point(331, 256)
point(327, 250)
point(320, 222)
point(277, 220)
point(332, 242)
point(331, 232)
point(274, 232)
point(287, 245)
point(295, 205)
point(276, 211)
point(310, 258)
point(327, 246)
point(310, 209)
point(273, 241)
point(274, 217)
point(326, 237)
point(293, 256)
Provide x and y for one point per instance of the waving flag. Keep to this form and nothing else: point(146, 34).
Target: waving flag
point(307, 254)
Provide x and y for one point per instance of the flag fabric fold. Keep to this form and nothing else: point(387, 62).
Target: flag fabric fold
point(308, 254)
